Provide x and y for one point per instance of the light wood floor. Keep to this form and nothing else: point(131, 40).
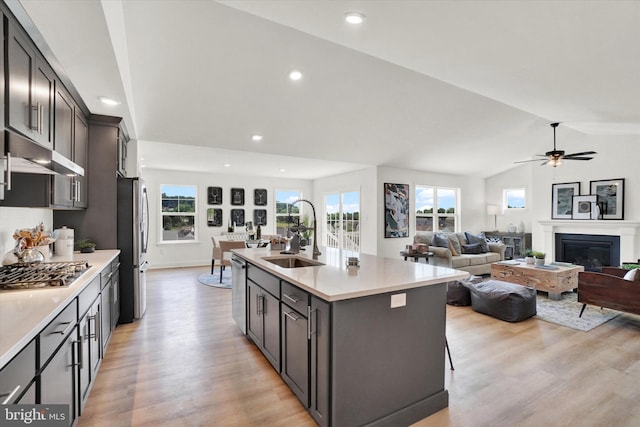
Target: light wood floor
point(187, 364)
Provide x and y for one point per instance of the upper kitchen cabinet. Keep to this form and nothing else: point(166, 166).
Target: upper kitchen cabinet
point(30, 88)
point(71, 141)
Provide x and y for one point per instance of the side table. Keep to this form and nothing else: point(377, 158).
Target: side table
point(416, 256)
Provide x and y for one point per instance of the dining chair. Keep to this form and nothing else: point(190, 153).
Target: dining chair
point(224, 254)
point(216, 253)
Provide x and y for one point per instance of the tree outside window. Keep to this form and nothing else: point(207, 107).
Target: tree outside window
point(284, 218)
point(436, 209)
point(179, 204)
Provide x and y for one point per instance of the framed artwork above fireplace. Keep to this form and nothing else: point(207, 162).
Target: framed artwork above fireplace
point(611, 192)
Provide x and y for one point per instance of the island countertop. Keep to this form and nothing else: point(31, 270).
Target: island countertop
point(25, 312)
point(333, 281)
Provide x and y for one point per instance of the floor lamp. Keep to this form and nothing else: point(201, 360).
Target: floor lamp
point(494, 210)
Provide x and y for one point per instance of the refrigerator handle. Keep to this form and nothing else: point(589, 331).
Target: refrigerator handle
point(145, 237)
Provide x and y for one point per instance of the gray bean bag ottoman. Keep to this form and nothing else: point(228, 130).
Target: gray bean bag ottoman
point(458, 291)
point(503, 300)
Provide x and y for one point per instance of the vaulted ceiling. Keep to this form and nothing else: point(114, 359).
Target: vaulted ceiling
point(442, 86)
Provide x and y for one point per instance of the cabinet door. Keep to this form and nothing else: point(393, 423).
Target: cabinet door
point(95, 335)
point(21, 63)
point(42, 103)
point(115, 298)
point(271, 329)
point(58, 379)
point(64, 121)
point(319, 361)
point(105, 316)
point(254, 317)
point(84, 368)
point(80, 146)
point(295, 353)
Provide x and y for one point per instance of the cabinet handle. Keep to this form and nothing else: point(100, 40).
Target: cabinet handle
point(291, 298)
point(262, 306)
point(258, 305)
point(35, 117)
point(96, 325)
point(77, 199)
point(292, 316)
point(9, 396)
point(6, 170)
point(66, 330)
point(309, 329)
point(80, 363)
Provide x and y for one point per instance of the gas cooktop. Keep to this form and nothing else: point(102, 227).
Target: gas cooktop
point(41, 274)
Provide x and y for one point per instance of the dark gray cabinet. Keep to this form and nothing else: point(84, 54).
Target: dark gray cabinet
point(17, 375)
point(31, 84)
point(319, 360)
point(263, 322)
point(515, 243)
point(58, 380)
point(71, 141)
point(110, 279)
point(295, 352)
point(89, 330)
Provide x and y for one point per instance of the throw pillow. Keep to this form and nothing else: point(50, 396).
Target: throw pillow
point(440, 241)
point(481, 239)
point(633, 275)
point(453, 240)
point(473, 248)
point(452, 248)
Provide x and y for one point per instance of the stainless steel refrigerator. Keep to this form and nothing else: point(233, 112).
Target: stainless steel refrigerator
point(133, 240)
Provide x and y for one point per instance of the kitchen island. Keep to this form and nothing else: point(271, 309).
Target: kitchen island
point(357, 346)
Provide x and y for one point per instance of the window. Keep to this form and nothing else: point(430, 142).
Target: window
point(343, 220)
point(283, 199)
point(179, 212)
point(513, 198)
point(437, 209)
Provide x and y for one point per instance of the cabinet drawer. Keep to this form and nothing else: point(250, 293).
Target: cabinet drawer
point(266, 281)
point(88, 296)
point(17, 374)
point(294, 297)
point(105, 276)
point(55, 333)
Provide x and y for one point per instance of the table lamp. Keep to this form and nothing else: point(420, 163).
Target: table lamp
point(494, 210)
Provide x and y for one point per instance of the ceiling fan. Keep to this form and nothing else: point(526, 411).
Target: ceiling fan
point(554, 157)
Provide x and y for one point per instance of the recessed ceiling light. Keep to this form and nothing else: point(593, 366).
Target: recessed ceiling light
point(108, 101)
point(227, 165)
point(283, 170)
point(256, 137)
point(295, 75)
point(354, 18)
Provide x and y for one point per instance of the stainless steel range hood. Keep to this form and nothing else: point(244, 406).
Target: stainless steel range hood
point(27, 156)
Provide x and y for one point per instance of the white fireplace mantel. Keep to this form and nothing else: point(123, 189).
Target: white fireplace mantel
point(629, 232)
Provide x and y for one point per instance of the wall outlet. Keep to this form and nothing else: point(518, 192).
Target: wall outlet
point(398, 300)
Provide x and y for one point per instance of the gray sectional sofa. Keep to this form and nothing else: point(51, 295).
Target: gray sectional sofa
point(466, 257)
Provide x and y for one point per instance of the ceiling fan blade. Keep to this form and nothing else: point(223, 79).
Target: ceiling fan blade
point(577, 158)
point(584, 153)
point(526, 161)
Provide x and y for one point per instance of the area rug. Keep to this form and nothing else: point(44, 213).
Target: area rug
point(565, 312)
point(214, 279)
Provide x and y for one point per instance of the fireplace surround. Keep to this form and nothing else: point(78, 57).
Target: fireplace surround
point(628, 231)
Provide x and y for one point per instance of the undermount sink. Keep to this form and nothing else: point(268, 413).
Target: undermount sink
point(292, 262)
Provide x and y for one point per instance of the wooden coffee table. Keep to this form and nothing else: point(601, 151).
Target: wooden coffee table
point(551, 279)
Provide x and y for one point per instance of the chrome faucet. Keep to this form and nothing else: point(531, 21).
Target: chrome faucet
point(303, 228)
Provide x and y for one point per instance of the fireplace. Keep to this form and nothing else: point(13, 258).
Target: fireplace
point(592, 251)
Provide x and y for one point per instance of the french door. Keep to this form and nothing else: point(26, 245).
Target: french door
point(342, 228)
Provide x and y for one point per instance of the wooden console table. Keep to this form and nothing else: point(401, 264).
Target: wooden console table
point(552, 280)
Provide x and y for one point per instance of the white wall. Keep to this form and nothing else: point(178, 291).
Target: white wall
point(16, 218)
point(199, 252)
point(365, 182)
point(618, 157)
point(473, 210)
point(519, 177)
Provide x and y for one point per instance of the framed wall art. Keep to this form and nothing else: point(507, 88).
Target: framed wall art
point(562, 199)
point(260, 217)
point(583, 205)
point(214, 217)
point(237, 196)
point(611, 193)
point(260, 197)
point(396, 210)
point(214, 195)
point(237, 217)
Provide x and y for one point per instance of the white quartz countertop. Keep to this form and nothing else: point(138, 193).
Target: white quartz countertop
point(25, 312)
point(333, 281)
